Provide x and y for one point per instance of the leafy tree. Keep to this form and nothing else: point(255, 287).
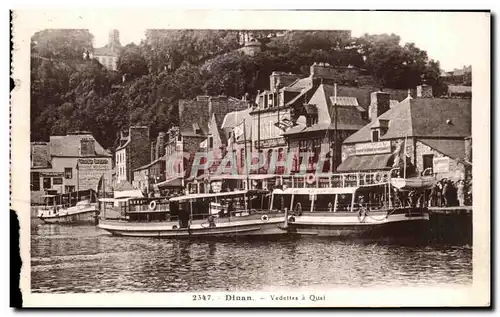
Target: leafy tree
point(131, 62)
point(61, 43)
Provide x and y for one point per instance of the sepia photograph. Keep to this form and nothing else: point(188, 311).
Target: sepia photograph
point(252, 159)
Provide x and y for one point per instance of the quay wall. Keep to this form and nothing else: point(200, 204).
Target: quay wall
point(451, 225)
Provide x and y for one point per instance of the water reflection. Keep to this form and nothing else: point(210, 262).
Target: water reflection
point(83, 259)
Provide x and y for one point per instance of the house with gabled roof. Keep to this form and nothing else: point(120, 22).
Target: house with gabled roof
point(326, 118)
point(69, 163)
point(435, 134)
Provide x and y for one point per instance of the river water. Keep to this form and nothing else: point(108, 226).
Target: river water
point(87, 259)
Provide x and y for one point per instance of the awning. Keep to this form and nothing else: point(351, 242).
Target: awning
point(357, 163)
point(174, 182)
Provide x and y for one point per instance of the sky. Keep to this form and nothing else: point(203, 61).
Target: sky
point(449, 37)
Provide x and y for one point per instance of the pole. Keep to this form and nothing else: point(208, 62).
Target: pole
point(335, 130)
point(258, 127)
point(404, 159)
point(246, 153)
point(77, 183)
point(277, 104)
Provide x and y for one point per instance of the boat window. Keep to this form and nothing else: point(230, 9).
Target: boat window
point(375, 197)
point(344, 202)
point(324, 203)
point(303, 201)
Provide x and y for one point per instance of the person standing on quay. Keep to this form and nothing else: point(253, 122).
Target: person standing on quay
point(461, 193)
point(446, 193)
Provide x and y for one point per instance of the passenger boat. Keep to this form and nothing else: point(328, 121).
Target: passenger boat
point(351, 205)
point(225, 214)
point(84, 212)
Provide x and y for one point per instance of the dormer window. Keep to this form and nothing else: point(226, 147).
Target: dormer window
point(375, 135)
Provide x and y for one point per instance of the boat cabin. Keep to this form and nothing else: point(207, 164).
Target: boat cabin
point(343, 193)
point(219, 205)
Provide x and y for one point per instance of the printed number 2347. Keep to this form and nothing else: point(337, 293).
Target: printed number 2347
point(201, 297)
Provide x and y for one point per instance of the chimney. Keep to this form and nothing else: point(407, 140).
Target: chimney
point(379, 103)
point(40, 155)
point(87, 146)
point(424, 91)
point(160, 145)
point(153, 153)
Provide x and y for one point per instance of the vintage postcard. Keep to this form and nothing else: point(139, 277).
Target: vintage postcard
point(166, 158)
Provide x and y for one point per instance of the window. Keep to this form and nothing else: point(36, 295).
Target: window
point(68, 173)
point(210, 142)
point(35, 181)
point(46, 183)
point(375, 135)
point(69, 188)
point(428, 161)
point(57, 181)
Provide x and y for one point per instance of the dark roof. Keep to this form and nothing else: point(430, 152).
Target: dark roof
point(451, 148)
point(152, 163)
point(234, 118)
point(69, 145)
point(191, 112)
point(218, 119)
point(303, 93)
point(365, 163)
point(299, 84)
point(423, 117)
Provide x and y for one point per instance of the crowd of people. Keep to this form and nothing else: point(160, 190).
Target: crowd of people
point(447, 193)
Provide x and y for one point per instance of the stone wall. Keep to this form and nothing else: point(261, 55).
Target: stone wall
point(456, 168)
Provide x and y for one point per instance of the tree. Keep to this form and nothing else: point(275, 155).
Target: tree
point(131, 62)
point(61, 43)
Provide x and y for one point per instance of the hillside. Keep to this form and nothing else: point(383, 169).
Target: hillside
point(68, 93)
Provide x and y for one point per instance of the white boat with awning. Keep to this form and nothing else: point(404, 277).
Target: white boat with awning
point(225, 214)
point(350, 205)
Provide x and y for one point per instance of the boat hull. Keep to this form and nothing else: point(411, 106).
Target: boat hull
point(85, 217)
point(403, 223)
point(170, 229)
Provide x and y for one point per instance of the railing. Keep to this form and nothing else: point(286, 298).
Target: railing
point(335, 180)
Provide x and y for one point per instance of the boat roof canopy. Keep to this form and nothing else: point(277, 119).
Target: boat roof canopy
point(222, 194)
point(316, 191)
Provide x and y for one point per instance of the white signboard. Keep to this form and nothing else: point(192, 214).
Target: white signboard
point(441, 165)
point(373, 148)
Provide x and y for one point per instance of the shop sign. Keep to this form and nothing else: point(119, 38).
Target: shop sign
point(441, 165)
point(92, 161)
point(382, 147)
point(270, 143)
point(51, 174)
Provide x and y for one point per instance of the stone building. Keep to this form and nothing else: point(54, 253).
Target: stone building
point(199, 122)
point(68, 163)
point(433, 132)
point(285, 113)
point(133, 152)
point(321, 125)
point(148, 175)
point(108, 54)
